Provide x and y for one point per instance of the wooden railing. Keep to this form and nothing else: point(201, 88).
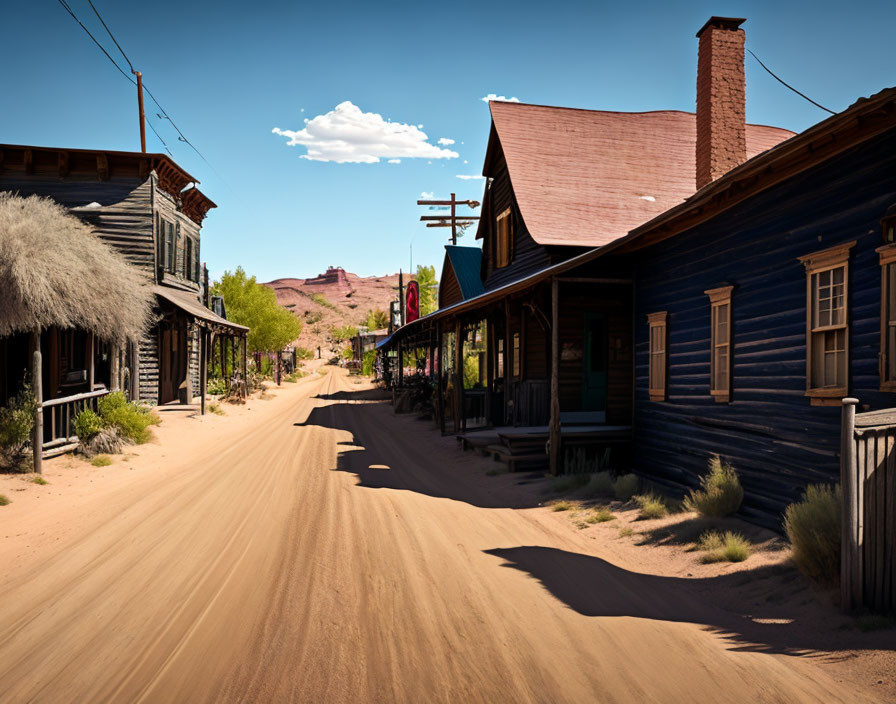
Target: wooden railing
point(59, 414)
point(868, 536)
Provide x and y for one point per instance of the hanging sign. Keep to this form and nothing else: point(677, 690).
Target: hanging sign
point(412, 312)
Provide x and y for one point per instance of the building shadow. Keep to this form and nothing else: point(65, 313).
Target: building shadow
point(360, 395)
point(594, 587)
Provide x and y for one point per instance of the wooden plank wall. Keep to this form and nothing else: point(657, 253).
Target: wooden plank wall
point(528, 256)
point(771, 434)
point(449, 289)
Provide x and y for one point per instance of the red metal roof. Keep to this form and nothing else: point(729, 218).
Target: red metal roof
point(587, 177)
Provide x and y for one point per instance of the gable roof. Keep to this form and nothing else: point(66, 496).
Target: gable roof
point(466, 263)
point(586, 177)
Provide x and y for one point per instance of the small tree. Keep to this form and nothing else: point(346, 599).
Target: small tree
point(16, 426)
point(271, 326)
point(429, 289)
point(376, 319)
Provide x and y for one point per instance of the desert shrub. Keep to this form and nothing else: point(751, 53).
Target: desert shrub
point(217, 386)
point(87, 425)
point(4, 500)
point(16, 426)
point(40, 480)
point(562, 505)
point(601, 515)
point(216, 409)
point(651, 505)
point(721, 493)
point(304, 353)
point(568, 482)
point(368, 363)
point(600, 483)
point(625, 486)
point(101, 461)
point(626, 532)
point(108, 441)
point(110, 403)
point(723, 547)
point(813, 528)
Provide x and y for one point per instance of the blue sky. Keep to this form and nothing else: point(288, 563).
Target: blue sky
point(230, 72)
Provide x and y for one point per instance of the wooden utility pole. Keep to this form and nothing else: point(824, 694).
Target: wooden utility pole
point(851, 585)
point(401, 302)
point(452, 220)
point(142, 114)
point(37, 440)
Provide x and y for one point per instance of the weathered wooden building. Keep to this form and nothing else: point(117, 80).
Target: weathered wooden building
point(149, 209)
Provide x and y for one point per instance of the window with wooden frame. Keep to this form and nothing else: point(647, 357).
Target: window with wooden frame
point(827, 324)
point(658, 360)
point(189, 268)
point(503, 239)
point(887, 317)
point(720, 343)
point(515, 355)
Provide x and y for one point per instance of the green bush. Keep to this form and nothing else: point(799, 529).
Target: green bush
point(131, 423)
point(625, 486)
point(723, 547)
point(304, 353)
point(813, 528)
point(87, 425)
point(721, 492)
point(4, 500)
point(101, 461)
point(111, 402)
point(651, 505)
point(16, 426)
point(368, 363)
point(216, 386)
point(601, 515)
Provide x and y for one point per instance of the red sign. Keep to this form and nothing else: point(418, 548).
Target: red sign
point(412, 312)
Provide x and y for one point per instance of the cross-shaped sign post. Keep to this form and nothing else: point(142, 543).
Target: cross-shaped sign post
point(453, 220)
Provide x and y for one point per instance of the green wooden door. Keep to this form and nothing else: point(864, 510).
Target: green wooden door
point(594, 363)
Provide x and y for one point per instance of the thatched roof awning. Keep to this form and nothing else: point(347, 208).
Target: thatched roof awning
point(188, 304)
point(55, 271)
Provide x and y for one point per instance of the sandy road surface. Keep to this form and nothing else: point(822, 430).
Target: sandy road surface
point(319, 556)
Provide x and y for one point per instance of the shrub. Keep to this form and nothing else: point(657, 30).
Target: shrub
point(87, 425)
point(721, 493)
point(131, 420)
point(217, 386)
point(304, 353)
point(40, 480)
point(368, 363)
point(4, 500)
point(16, 426)
point(601, 515)
point(651, 505)
point(626, 532)
point(110, 403)
point(625, 486)
point(107, 441)
point(813, 528)
point(600, 483)
point(101, 461)
point(723, 547)
point(216, 409)
point(562, 505)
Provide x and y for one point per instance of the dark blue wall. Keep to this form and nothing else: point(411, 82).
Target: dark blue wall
point(769, 432)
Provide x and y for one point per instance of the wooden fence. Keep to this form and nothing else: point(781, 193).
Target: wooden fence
point(58, 419)
point(868, 481)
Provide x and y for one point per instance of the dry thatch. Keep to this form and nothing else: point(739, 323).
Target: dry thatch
point(55, 271)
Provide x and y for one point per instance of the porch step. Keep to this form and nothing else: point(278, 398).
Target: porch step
point(500, 453)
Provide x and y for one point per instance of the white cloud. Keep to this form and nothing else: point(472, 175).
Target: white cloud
point(446, 141)
point(469, 177)
point(394, 161)
point(348, 135)
point(501, 98)
point(427, 195)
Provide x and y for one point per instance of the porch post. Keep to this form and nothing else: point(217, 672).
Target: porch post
point(37, 440)
point(116, 368)
point(555, 377)
point(439, 398)
point(203, 368)
point(400, 364)
point(91, 338)
point(851, 586)
point(246, 364)
point(508, 372)
point(458, 376)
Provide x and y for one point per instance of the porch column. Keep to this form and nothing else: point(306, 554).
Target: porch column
point(439, 398)
point(203, 368)
point(458, 376)
point(508, 372)
point(555, 377)
point(400, 364)
point(116, 368)
point(37, 439)
point(91, 341)
point(246, 365)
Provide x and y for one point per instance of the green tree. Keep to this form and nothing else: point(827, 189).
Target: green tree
point(271, 326)
point(342, 334)
point(429, 289)
point(376, 319)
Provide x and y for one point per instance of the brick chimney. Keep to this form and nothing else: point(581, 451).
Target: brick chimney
point(721, 99)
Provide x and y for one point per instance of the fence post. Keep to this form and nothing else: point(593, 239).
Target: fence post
point(850, 575)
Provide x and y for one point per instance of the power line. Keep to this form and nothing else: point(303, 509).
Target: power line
point(95, 41)
point(111, 36)
point(802, 95)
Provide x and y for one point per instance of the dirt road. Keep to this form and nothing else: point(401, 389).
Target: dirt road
point(319, 551)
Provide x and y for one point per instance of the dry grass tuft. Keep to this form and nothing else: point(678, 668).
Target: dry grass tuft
point(721, 493)
point(101, 461)
point(601, 515)
point(568, 482)
point(813, 527)
point(216, 409)
point(4, 500)
point(601, 483)
point(723, 547)
point(37, 479)
point(563, 505)
point(55, 271)
point(651, 505)
point(626, 532)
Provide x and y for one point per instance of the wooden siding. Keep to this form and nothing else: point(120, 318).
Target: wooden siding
point(770, 433)
point(449, 289)
point(149, 366)
point(528, 256)
point(166, 206)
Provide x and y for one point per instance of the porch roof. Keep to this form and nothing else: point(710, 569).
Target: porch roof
point(185, 301)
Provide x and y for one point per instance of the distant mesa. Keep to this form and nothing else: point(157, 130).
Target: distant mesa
point(334, 276)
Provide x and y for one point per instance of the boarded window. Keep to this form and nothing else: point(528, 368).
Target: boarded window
point(188, 258)
point(170, 246)
point(515, 366)
point(888, 318)
point(720, 343)
point(658, 361)
point(504, 240)
point(827, 327)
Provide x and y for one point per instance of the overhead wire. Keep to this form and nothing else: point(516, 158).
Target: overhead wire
point(787, 85)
